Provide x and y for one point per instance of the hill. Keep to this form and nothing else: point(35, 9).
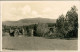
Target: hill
point(29, 21)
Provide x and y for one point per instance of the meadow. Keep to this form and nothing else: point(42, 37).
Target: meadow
point(37, 43)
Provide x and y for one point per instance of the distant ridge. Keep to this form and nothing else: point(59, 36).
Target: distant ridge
point(28, 21)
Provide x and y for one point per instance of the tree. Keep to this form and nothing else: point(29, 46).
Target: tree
point(42, 29)
point(72, 18)
point(60, 24)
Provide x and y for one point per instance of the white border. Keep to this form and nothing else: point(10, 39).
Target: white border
point(0, 29)
point(79, 27)
point(44, 50)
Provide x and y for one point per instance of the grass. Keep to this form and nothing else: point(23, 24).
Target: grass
point(37, 43)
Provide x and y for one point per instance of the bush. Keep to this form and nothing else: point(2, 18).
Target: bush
point(55, 35)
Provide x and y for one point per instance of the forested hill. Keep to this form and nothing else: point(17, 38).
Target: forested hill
point(29, 21)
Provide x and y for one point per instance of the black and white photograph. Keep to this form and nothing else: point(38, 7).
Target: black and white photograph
point(39, 25)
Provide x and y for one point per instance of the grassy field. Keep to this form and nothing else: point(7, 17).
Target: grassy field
point(37, 43)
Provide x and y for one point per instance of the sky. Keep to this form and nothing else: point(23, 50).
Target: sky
point(13, 11)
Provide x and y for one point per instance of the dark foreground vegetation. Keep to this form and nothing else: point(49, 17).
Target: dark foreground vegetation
point(65, 27)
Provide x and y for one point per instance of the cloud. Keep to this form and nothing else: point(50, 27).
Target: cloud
point(26, 9)
point(34, 12)
point(47, 9)
point(13, 9)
